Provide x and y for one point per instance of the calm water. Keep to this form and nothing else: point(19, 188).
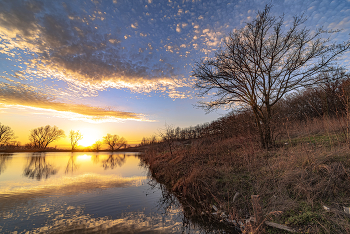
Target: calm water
point(83, 193)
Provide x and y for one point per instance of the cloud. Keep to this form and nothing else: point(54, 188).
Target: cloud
point(23, 96)
point(134, 25)
point(65, 42)
point(178, 28)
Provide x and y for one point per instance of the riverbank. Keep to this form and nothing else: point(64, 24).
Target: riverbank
point(21, 150)
point(304, 183)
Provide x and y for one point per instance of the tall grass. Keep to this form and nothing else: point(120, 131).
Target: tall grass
point(308, 171)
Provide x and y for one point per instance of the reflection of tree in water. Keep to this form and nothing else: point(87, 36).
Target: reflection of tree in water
point(113, 161)
point(71, 165)
point(198, 220)
point(3, 160)
point(96, 159)
point(38, 168)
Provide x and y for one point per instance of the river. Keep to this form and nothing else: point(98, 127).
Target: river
point(85, 193)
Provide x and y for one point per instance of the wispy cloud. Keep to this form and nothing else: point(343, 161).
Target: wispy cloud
point(22, 96)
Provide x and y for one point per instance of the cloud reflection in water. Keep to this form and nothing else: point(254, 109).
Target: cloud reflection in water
point(131, 222)
point(30, 202)
point(69, 185)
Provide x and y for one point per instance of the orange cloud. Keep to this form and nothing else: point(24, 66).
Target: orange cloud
point(27, 97)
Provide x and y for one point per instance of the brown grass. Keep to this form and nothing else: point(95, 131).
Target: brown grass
point(294, 181)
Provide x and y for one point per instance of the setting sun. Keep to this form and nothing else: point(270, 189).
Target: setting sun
point(90, 136)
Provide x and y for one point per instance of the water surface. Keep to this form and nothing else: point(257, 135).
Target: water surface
point(82, 193)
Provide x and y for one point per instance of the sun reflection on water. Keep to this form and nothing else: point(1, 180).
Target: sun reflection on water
point(84, 157)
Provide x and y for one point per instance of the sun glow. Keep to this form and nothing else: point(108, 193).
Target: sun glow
point(90, 136)
point(84, 157)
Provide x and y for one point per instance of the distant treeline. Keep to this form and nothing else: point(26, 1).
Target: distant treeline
point(41, 137)
point(329, 99)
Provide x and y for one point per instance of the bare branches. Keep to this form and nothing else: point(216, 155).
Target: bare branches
point(6, 134)
point(262, 62)
point(75, 136)
point(114, 141)
point(97, 145)
point(41, 137)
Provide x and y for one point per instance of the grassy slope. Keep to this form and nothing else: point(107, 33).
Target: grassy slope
point(310, 170)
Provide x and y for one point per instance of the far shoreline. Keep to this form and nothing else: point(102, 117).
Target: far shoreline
point(131, 149)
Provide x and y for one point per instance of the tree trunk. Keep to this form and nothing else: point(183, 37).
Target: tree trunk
point(264, 127)
point(260, 128)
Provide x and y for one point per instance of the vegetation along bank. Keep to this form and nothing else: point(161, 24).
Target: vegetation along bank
point(303, 182)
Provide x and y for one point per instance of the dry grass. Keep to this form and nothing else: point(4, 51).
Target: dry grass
point(294, 181)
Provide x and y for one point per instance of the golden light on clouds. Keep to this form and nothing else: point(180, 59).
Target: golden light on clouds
point(26, 97)
point(88, 113)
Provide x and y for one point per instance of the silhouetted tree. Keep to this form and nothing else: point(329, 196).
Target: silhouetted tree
point(6, 134)
point(97, 145)
point(262, 62)
point(144, 141)
point(41, 137)
point(114, 141)
point(168, 136)
point(75, 136)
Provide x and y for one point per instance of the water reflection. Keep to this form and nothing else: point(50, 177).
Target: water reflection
point(38, 168)
point(3, 161)
point(71, 165)
point(95, 159)
point(192, 222)
point(76, 221)
point(168, 203)
point(86, 197)
point(89, 183)
point(113, 161)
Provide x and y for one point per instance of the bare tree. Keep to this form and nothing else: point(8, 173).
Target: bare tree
point(6, 134)
point(114, 141)
point(75, 136)
point(41, 137)
point(168, 136)
point(262, 62)
point(97, 145)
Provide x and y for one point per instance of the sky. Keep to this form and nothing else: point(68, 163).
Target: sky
point(123, 66)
